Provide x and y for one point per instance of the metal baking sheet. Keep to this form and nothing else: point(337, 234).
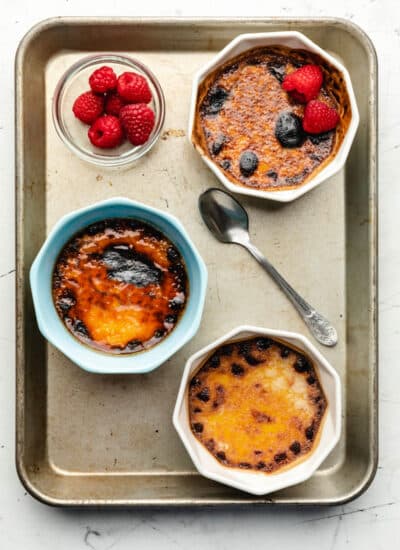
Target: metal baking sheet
point(85, 439)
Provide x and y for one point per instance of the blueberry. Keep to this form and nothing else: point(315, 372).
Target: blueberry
point(226, 164)
point(217, 145)
point(214, 101)
point(248, 163)
point(288, 130)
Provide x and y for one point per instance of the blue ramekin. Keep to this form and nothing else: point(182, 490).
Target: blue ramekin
point(54, 330)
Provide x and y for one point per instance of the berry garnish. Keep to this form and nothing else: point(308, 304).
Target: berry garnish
point(106, 132)
point(248, 163)
point(288, 130)
point(304, 84)
point(103, 80)
point(133, 88)
point(88, 106)
point(319, 117)
point(138, 122)
point(113, 104)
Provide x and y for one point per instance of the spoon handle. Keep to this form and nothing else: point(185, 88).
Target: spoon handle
point(319, 326)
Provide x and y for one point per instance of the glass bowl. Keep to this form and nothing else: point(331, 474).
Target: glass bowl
point(73, 132)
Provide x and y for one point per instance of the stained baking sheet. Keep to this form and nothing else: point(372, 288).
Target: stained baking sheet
point(85, 439)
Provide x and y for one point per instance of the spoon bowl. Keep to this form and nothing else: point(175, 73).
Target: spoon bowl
point(224, 216)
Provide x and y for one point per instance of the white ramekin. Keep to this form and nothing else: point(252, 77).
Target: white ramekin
point(291, 39)
point(259, 483)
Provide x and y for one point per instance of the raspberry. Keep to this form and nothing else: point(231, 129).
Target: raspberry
point(102, 80)
point(106, 132)
point(319, 117)
point(134, 88)
point(304, 84)
point(113, 104)
point(87, 107)
point(138, 122)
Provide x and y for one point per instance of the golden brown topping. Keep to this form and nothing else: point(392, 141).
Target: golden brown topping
point(242, 108)
point(261, 414)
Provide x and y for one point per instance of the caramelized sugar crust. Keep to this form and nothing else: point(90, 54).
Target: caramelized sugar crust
point(237, 109)
point(120, 286)
point(257, 404)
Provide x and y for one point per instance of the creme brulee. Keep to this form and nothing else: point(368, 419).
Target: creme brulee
point(120, 286)
point(257, 404)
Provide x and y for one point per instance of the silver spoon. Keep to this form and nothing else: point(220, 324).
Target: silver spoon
point(228, 221)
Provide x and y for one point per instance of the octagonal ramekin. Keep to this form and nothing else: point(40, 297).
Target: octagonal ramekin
point(291, 39)
point(52, 327)
point(254, 482)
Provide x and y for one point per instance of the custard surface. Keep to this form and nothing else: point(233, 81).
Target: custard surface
point(120, 286)
point(256, 404)
point(237, 108)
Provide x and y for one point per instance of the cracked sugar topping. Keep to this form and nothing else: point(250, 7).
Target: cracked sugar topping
point(120, 286)
point(251, 128)
point(257, 404)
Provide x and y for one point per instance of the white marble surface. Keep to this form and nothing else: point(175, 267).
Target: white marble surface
point(371, 521)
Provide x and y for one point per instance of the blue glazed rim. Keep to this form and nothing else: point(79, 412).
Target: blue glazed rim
point(54, 330)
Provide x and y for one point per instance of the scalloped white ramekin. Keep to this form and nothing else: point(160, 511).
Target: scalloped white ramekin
point(291, 39)
point(260, 483)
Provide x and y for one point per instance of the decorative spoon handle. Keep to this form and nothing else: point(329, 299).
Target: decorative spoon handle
point(319, 326)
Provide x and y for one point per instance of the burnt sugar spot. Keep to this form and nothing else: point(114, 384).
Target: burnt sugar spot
point(260, 416)
point(301, 364)
point(128, 266)
point(214, 100)
point(237, 370)
point(295, 447)
point(204, 395)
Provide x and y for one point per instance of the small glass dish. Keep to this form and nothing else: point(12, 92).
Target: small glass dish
point(73, 132)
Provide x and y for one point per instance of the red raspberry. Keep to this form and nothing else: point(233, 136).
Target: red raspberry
point(138, 122)
point(113, 104)
point(103, 80)
point(87, 107)
point(133, 88)
point(319, 117)
point(304, 84)
point(106, 132)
